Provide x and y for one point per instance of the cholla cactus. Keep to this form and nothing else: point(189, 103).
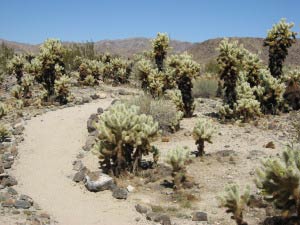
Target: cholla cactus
point(120, 70)
point(16, 66)
point(177, 158)
point(124, 136)
point(27, 82)
point(4, 133)
point(235, 202)
point(3, 109)
point(184, 69)
point(89, 80)
point(144, 68)
point(62, 89)
point(176, 97)
point(17, 91)
point(90, 68)
point(49, 64)
point(202, 132)
point(279, 39)
point(292, 92)
point(279, 179)
point(156, 83)
point(160, 46)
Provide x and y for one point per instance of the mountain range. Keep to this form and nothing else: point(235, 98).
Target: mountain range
point(202, 52)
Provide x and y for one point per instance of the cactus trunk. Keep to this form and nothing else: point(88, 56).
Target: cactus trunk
point(185, 86)
point(200, 146)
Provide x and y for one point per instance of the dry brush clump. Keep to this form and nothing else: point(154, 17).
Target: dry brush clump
point(124, 137)
point(4, 133)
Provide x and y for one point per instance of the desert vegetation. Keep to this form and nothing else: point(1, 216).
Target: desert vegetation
point(163, 123)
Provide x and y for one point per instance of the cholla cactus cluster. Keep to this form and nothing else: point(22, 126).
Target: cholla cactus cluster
point(124, 137)
point(16, 66)
point(235, 202)
point(292, 92)
point(177, 158)
point(27, 83)
point(62, 89)
point(120, 70)
point(279, 39)
point(279, 180)
point(202, 132)
point(90, 71)
point(176, 98)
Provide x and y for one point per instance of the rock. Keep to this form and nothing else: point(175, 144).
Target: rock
point(7, 165)
point(86, 99)
point(77, 165)
point(91, 122)
point(79, 176)
point(27, 199)
point(18, 129)
point(9, 181)
point(45, 215)
point(123, 92)
point(160, 218)
point(270, 145)
point(94, 96)
point(97, 181)
point(11, 191)
point(89, 143)
point(14, 151)
point(102, 95)
point(120, 193)
point(141, 208)
point(100, 111)
point(199, 216)
point(130, 188)
point(187, 133)
point(9, 203)
point(22, 204)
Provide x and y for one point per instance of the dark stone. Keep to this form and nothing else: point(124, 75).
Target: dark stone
point(120, 193)
point(11, 191)
point(79, 176)
point(100, 111)
point(199, 216)
point(91, 122)
point(141, 209)
point(278, 220)
point(9, 181)
point(94, 96)
point(158, 217)
point(22, 204)
point(7, 164)
point(270, 145)
point(77, 165)
point(27, 199)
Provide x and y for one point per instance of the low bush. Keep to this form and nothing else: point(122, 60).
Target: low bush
point(205, 87)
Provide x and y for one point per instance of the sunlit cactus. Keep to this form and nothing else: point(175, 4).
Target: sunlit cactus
point(235, 202)
point(4, 133)
point(177, 158)
point(89, 80)
point(184, 70)
point(17, 91)
point(175, 96)
point(144, 68)
point(160, 46)
point(124, 137)
point(279, 39)
point(62, 89)
point(16, 66)
point(292, 92)
point(156, 83)
point(90, 68)
point(120, 70)
point(279, 180)
point(27, 83)
point(3, 109)
point(202, 132)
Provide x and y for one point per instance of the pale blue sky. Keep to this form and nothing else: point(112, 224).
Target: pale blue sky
point(32, 21)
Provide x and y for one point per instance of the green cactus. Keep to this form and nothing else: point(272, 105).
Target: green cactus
point(16, 66)
point(279, 180)
point(177, 158)
point(4, 133)
point(88, 69)
point(3, 109)
point(120, 70)
point(62, 89)
point(292, 91)
point(184, 70)
point(279, 39)
point(202, 132)
point(124, 137)
point(160, 46)
point(235, 202)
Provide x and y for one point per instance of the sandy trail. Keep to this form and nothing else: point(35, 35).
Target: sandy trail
point(52, 142)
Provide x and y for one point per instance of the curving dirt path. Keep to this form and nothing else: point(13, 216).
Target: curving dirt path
point(52, 142)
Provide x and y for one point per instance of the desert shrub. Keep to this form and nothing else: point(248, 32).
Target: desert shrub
point(17, 91)
point(279, 181)
point(160, 47)
point(184, 70)
point(163, 111)
point(205, 87)
point(62, 89)
point(124, 137)
point(3, 109)
point(279, 39)
point(16, 67)
point(235, 202)
point(4, 133)
point(177, 158)
point(202, 132)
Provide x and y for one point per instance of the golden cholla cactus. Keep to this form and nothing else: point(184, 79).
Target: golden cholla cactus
point(62, 89)
point(177, 158)
point(144, 68)
point(279, 39)
point(175, 96)
point(235, 202)
point(160, 47)
point(120, 70)
point(292, 92)
point(279, 180)
point(156, 83)
point(202, 132)
point(124, 137)
point(16, 66)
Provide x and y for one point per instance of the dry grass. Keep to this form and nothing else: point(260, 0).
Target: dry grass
point(205, 88)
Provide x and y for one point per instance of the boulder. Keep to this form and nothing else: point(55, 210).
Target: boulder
point(120, 193)
point(97, 181)
point(199, 216)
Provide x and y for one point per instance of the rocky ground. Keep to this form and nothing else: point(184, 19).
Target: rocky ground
point(47, 147)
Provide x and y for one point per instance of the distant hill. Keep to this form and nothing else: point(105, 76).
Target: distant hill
point(202, 52)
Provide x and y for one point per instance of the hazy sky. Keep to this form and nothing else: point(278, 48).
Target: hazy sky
point(32, 21)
